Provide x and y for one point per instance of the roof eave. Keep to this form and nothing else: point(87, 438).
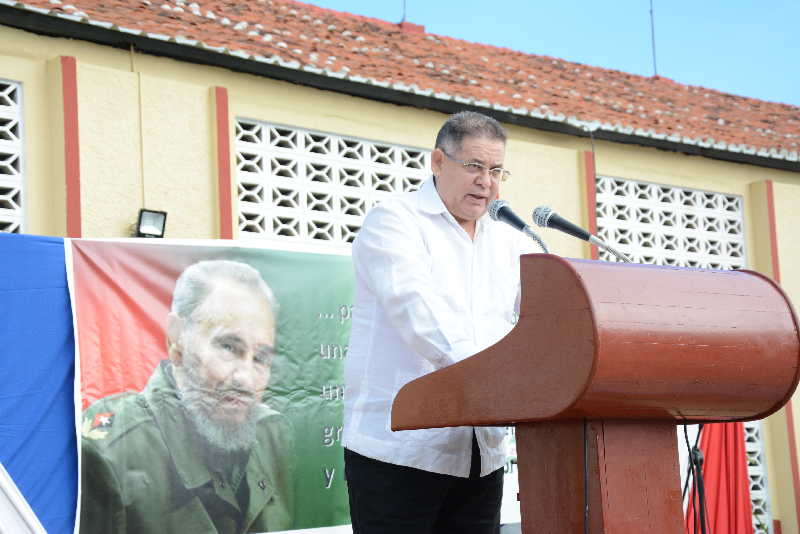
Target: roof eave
point(68, 27)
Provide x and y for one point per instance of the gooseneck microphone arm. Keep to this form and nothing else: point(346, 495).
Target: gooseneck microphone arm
point(499, 210)
point(547, 218)
point(528, 231)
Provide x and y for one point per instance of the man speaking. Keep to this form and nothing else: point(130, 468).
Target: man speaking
point(436, 281)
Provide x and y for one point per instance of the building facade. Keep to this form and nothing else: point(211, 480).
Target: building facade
point(285, 123)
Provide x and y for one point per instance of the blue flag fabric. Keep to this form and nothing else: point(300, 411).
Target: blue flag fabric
point(37, 369)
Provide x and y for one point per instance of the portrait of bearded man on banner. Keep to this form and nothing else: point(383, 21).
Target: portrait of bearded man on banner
point(196, 450)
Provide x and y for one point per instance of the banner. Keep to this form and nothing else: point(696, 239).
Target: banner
point(221, 412)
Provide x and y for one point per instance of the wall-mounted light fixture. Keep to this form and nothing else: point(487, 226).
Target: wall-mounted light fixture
point(151, 223)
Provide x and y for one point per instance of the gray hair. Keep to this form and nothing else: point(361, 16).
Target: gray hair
point(467, 124)
point(196, 282)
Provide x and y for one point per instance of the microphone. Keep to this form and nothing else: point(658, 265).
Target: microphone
point(545, 217)
point(499, 210)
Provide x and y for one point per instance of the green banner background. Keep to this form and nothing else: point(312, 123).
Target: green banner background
point(123, 291)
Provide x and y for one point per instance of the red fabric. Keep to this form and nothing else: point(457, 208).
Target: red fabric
point(727, 486)
point(106, 310)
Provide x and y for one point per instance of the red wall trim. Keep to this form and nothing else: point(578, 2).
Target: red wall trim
point(72, 160)
point(224, 164)
point(776, 275)
point(591, 197)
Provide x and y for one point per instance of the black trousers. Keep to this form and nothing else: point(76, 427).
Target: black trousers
point(394, 499)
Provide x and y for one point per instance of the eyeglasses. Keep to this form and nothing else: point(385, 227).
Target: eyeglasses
point(497, 174)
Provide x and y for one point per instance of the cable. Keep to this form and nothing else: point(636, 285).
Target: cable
point(705, 527)
point(701, 490)
point(697, 496)
point(141, 124)
point(689, 463)
point(653, 38)
point(690, 475)
point(689, 450)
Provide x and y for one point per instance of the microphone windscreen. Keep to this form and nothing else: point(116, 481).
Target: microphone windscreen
point(541, 216)
point(495, 207)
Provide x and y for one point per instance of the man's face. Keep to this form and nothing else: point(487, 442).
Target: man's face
point(225, 357)
point(467, 195)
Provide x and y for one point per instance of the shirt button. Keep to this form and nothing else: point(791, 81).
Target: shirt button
point(262, 484)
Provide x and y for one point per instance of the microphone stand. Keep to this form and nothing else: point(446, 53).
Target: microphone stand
point(620, 256)
point(528, 231)
point(499, 210)
point(546, 217)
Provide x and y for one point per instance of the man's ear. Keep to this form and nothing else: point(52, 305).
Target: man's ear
point(437, 160)
point(174, 333)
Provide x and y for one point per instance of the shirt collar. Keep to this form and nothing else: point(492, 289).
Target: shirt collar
point(431, 202)
point(429, 199)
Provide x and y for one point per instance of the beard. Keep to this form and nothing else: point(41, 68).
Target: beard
point(201, 402)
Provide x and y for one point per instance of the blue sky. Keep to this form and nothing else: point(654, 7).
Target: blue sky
point(745, 47)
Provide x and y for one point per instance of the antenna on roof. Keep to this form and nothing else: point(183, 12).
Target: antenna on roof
point(652, 38)
point(404, 12)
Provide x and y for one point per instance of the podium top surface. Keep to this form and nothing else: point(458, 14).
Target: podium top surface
point(629, 341)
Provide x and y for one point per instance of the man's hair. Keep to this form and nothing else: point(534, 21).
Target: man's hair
point(196, 282)
point(467, 124)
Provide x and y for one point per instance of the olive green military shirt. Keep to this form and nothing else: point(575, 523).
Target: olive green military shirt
point(145, 470)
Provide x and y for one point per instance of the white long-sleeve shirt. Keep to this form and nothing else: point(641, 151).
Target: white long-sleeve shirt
point(426, 296)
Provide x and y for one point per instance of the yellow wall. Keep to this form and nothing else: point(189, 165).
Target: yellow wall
point(776, 435)
point(108, 119)
point(179, 155)
point(41, 89)
point(146, 142)
point(547, 175)
point(147, 138)
point(787, 214)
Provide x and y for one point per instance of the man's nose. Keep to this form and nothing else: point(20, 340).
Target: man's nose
point(244, 374)
point(484, 179)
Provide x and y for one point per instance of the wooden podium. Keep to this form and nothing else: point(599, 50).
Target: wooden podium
point(604, 361)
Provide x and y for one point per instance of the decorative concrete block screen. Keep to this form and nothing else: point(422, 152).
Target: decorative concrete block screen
point(666, 225)
point(316, 187)
point(12, 179)
point(757, 471)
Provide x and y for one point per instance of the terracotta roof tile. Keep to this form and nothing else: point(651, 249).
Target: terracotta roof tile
point(405, 58)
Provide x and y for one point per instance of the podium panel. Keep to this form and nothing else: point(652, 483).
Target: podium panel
point(604, 361)
point(605, 340)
